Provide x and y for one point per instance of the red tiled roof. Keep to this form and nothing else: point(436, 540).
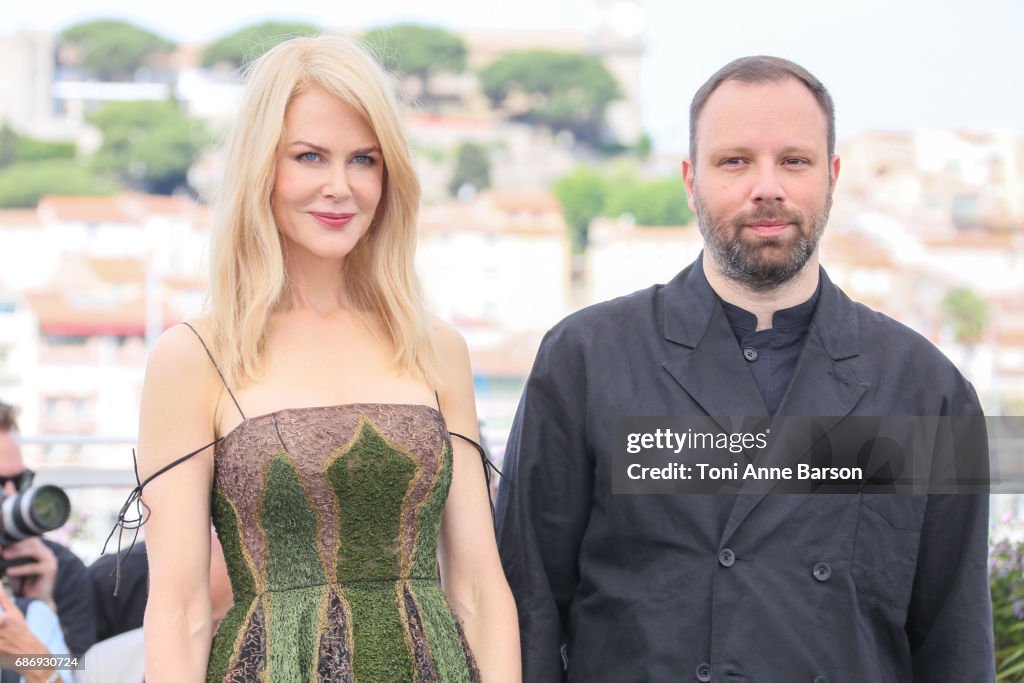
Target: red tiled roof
point(202, 217)
point(19, 218)
point(522, 201)
point(661, 233)
point(854, 250)
point(1010, 337)
point(457, 218)
point(185, 283)
point(83, 209)
point(118, 270)
point(160, 203)
point(977, 240)
point(124, 208)
point(462, 121)
point(61, 317)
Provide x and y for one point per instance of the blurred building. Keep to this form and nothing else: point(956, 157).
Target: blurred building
point(208, 95)
point(618, 41)
point(622, 257)
point(513, 150)
point(85, 283)
point(25, 80)
point(497, 266)
point(502, 258)
point(941, 181)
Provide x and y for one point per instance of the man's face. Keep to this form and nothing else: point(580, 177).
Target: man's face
point(761, 184)
point(11, 462)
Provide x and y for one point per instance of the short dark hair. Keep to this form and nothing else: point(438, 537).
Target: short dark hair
point(762, 69)
point(8, 418)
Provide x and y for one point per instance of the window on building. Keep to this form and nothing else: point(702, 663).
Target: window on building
point(65, 339)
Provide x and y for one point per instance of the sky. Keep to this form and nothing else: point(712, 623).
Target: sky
point(890, 64)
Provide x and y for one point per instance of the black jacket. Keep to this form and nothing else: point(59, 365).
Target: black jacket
point(72, 594)
point(636, 588)
point(115, 615)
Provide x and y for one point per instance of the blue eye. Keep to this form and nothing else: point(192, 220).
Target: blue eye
point(364, 160)
point(308, 156)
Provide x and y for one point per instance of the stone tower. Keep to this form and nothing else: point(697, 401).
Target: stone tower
point(618, 40)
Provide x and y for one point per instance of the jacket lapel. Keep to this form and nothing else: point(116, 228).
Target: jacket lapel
point(828, 382)
point(710, 367)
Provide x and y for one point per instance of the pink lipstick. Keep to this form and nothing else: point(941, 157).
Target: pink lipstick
point(332, 220)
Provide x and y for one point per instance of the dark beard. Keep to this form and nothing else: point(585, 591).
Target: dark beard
point(756, 263)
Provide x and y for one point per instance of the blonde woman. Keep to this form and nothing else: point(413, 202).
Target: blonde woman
point(356, 531)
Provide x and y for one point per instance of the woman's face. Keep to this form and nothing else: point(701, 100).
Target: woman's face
point(328, 177)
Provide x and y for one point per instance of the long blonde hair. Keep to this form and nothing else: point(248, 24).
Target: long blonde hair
point(247, 264)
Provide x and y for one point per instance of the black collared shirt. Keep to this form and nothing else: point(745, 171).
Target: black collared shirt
point(772, 354)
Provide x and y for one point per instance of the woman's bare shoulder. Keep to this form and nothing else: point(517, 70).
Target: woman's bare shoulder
point(451, 346)
point(179, 398)
point(180, 346)
point(456, 374)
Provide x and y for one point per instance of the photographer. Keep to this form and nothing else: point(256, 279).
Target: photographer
point(35, 631)
point(53, 574)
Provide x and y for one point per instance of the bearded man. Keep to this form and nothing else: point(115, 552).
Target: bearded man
point(729, 587)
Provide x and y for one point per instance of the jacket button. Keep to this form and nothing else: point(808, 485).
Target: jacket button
point(821, 679)
point(704, 673)
point(822, 572)
point(750, 353)
point(726, 557)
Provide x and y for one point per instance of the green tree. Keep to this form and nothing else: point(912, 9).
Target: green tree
point(8, 145)
point(650, 202)
point(967, 315)
point(23, 183)
point(643, 146)
point(417, 50)
point(587, 193)
point(561, 90)
point(30, 149)
point(149, 145)
point(472, 167)
point(114, 50)
point(15, 148)
point(249, 43)
point(582, 193)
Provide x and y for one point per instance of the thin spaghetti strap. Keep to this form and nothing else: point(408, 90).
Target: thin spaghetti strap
point(134, 503)
point(215, 367)
point(488, 465)
point(141, 510)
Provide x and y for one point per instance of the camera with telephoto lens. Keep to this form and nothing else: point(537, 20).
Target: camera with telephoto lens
point(31, 512)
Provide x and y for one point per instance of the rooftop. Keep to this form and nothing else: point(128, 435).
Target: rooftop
point(59, 316)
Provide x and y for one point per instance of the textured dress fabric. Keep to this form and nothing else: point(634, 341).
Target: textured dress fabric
point(329, 519)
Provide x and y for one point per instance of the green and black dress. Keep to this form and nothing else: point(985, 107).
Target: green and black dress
point(329, 519)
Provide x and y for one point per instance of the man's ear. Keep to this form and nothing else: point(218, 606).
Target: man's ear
point(688, 173)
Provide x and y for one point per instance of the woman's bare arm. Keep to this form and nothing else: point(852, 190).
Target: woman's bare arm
point(177, 416)
point(471, 571)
